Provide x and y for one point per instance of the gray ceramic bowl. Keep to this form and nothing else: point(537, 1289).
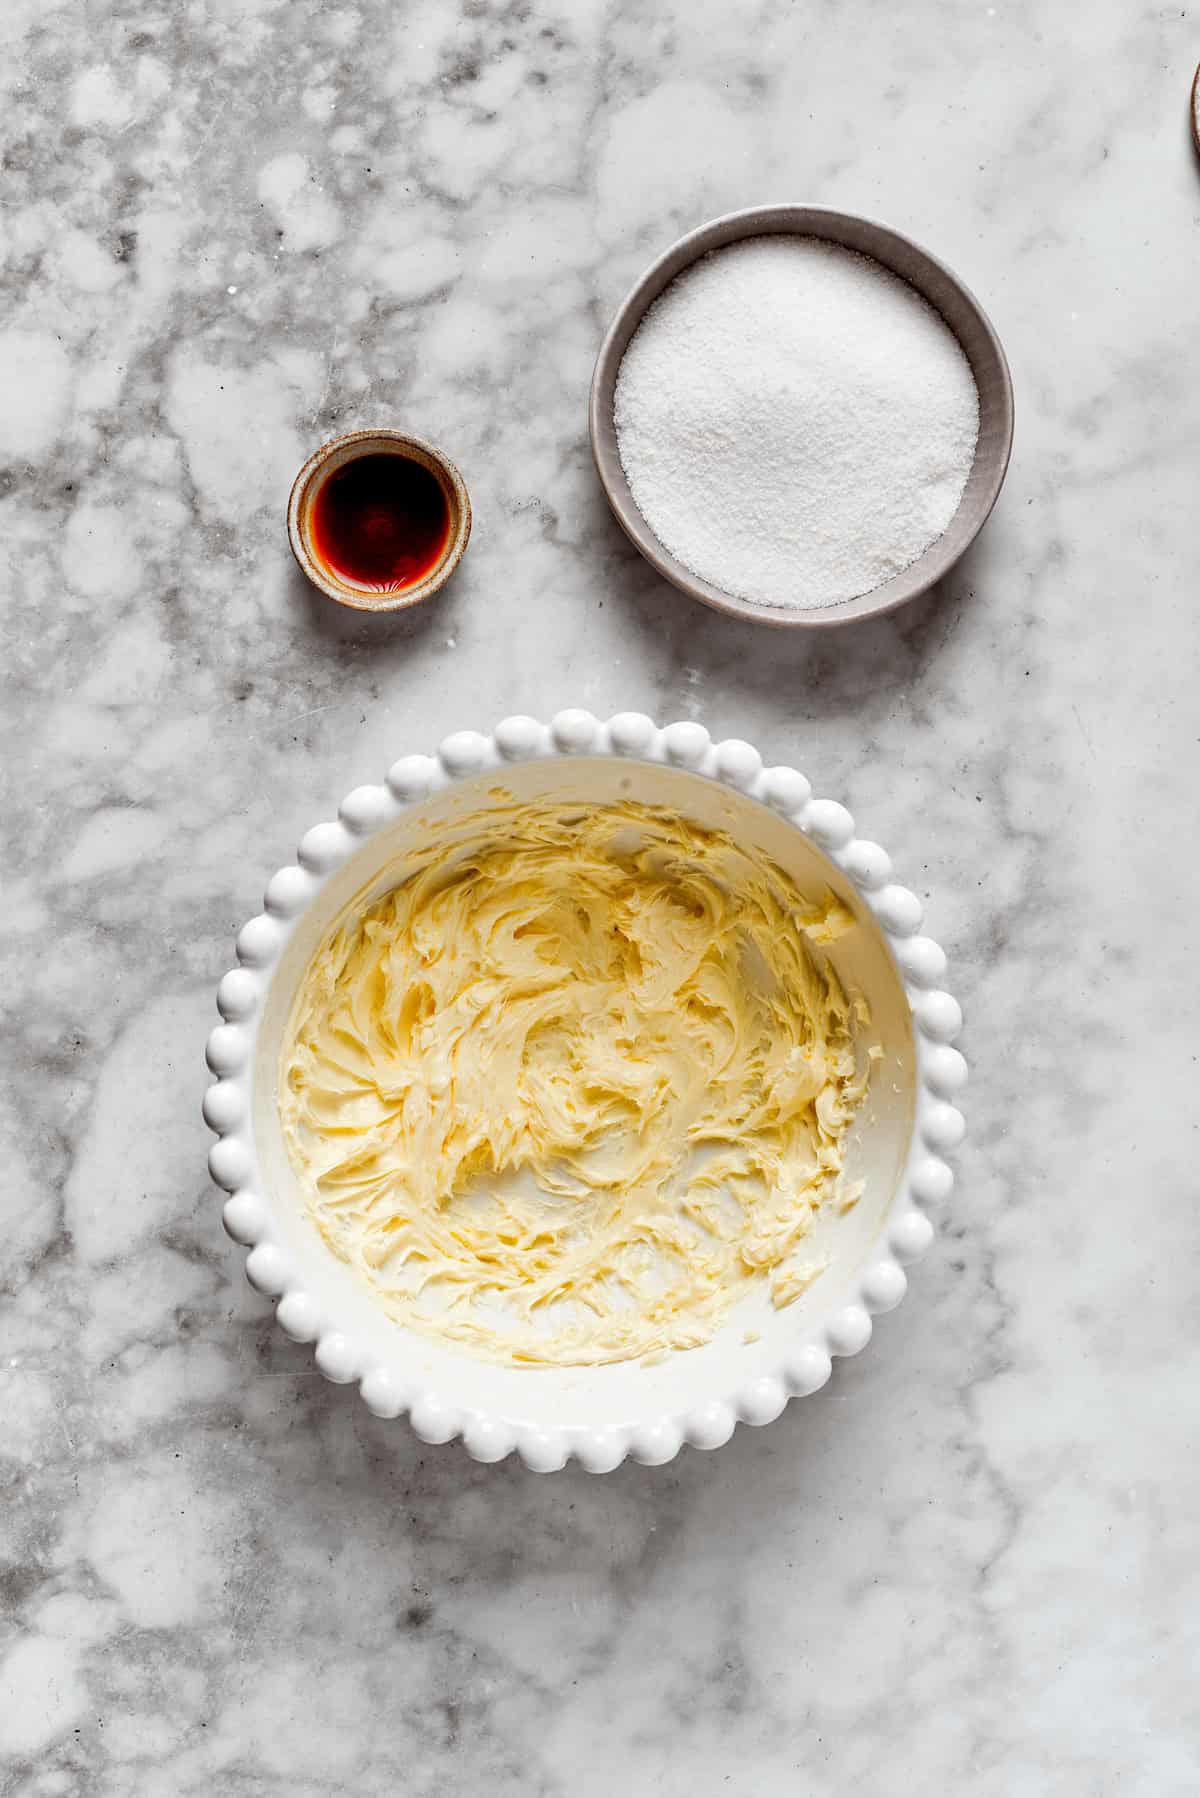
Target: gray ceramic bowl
point(943, 290)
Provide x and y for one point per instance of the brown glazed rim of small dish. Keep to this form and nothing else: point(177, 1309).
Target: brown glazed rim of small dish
point(348, 448)
point(943, 290)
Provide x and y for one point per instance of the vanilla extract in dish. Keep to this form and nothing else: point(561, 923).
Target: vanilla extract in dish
point(381, 522)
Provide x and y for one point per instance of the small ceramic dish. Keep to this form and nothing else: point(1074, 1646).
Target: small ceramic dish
point(598, 1415)
point(936, 284)
point(335, 455)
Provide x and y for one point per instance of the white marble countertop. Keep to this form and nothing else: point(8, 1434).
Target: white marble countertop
point(230, 230)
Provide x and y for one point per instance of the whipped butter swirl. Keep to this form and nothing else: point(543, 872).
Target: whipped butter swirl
point(574, 1087)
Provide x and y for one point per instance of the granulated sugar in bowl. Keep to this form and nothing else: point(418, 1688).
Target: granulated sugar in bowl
point(795, 422)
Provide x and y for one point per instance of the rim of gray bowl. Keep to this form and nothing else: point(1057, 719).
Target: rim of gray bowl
point(945, 293)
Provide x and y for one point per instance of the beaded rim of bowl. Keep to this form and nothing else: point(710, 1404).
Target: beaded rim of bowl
point(905, 1233)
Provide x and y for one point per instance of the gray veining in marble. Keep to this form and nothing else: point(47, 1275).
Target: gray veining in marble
point(229, 229)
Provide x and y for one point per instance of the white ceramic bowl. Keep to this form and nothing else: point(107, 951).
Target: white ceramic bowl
point(596, 1414)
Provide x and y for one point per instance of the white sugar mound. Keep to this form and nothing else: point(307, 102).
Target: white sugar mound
point(795, 422)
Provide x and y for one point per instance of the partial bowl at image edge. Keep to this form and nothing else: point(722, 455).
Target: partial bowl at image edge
point(935, 283)
point(351, 1344)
